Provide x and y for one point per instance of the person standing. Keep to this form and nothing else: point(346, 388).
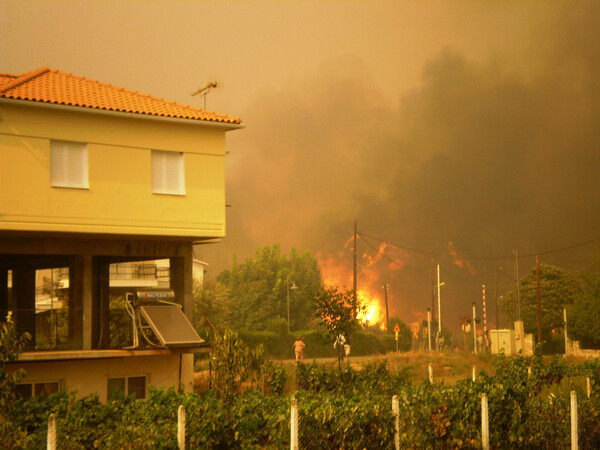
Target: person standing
point(299, 348)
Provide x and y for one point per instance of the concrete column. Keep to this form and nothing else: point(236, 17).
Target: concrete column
point(87, 301)
point(182, 281)
point(100, 303)
point(75, 305)
point(3, 294)
point(24, 294)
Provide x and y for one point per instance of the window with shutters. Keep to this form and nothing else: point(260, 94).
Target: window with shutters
point(167, 173)
point(68, 164)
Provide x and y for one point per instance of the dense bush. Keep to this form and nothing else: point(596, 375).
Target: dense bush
point(347, 409)
point(528, 401)
point(373, 379)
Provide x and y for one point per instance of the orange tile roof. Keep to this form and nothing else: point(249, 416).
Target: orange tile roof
point(60, 88)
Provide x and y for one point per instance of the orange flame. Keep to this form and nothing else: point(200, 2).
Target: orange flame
point(460, 262)
point(337, 271)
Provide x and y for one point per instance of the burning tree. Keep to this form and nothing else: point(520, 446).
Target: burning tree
point(338, 312)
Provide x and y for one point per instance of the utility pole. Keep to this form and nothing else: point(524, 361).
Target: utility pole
point(497, 314)
point(354, 263)
point(484, 318)
point(539, 312)
point(516, 267)
point(439, 305)
point(429, 327)
point(566, 335)
point(387, 317)
point(432, 290)
point(474, 330)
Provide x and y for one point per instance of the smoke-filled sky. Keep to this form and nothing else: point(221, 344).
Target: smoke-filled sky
point(466, 127)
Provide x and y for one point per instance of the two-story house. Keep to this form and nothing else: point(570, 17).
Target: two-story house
point(95, 180)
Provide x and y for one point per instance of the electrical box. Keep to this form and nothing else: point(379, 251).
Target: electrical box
point(503, 340)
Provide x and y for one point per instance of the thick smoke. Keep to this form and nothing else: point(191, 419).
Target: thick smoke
point(485, 157)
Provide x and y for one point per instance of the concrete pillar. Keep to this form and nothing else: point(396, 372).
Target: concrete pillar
point(100, 303)
point(3, 294)
point(24, 294)
point(182, 281)
point(75, 305)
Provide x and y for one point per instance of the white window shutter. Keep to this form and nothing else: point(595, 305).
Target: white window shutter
point(158, 158)
point(68, 164)
point(58, 169)
point(167, 173)
point(77, 169)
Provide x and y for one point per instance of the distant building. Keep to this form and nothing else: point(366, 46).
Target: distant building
point(104, 191)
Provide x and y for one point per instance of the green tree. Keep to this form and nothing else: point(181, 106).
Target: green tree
point(258, 289)
point(558, 288)
point(584, 314)
point(212, 306)
point(337, 313)
point(233, 362)
point(11, 347)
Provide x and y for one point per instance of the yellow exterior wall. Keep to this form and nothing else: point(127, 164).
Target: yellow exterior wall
point(87, 377)
point(119, 199)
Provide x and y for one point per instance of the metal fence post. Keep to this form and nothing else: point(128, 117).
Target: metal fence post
point(396, 410)
point(51, 442)
point(574, 440)
point(181, 427)
point(294, 424)
point(430, 373)
point(485, 429)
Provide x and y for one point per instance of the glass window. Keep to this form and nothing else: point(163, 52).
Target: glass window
point(45, 389)
point(136, 386)
point(27, 390)
point(51, 308)
point(68, 164)
point(115, 388)
point(24, 390)
point(167, 173)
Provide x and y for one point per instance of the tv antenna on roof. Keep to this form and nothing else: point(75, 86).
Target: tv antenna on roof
point(206, 89)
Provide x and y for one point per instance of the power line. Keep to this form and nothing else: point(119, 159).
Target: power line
point(393, 261)
point(497, 258)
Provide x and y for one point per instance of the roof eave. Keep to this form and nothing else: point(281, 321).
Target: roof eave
point(228, 126)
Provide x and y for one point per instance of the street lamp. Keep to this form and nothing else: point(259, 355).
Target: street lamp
point(293, 287)
point(439, 308)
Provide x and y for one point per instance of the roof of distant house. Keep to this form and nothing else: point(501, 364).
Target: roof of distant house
point(53, 86)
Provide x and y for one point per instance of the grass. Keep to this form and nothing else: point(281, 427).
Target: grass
point(447, 367)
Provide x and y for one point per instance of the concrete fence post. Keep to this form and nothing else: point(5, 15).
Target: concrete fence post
point(294, 424)
point(396, 410)
point(430, 373)
point(474, 374)
point(574, 440)
point(588, 387)
point(181, 427)
point(51, 442)
point(485, 428)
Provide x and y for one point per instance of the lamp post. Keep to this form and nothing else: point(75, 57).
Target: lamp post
point(439, 333)
point(293, 287)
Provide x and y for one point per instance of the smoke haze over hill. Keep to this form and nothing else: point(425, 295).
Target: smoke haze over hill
point(486, 156)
